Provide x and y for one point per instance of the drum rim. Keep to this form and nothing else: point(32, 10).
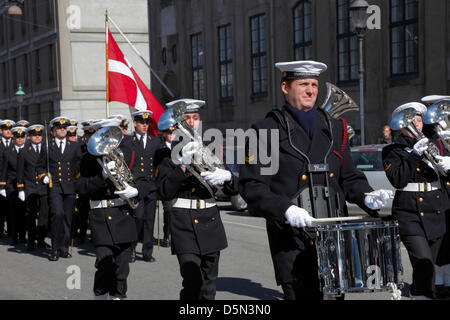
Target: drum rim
point(360, 225)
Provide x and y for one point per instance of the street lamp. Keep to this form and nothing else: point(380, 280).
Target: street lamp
point(359, 16)
point(19, 96)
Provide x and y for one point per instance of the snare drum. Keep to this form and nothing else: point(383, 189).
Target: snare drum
point(359, 257)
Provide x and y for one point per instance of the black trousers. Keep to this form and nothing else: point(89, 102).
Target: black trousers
point(37, 208)
point(422, 254)
point(4, 215)
point(145, 223)
point(17, 219)
point(112, 270)
point(199, 274)
point(167, 207)
point(61, 208)
point(81, 218)
point(306, 284)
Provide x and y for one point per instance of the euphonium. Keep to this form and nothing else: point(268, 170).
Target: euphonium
point(438, 115)
point(105, 143)
point(405, 120)
point(338, 102)
point(173, 119)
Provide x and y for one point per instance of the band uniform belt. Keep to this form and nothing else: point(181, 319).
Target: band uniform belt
point(103, 204)
point(193, 204)
point(421, 187)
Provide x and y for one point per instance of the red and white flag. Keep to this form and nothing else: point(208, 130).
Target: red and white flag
point(124, 85)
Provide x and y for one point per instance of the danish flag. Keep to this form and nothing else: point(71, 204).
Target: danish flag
point(124, 85)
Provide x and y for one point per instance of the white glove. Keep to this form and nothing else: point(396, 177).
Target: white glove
point(128, 193)
point(46, 180)
point(188, 151)
point(421, 146)
point(445, 134)
point(443, 163)
point(218, 177)
point(22, 195)
point(111, 166)
point(378, 199)
point(3, 193)
point(298, 217)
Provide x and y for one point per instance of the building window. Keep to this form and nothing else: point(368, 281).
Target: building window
point(404, 37)
point(226, 62)
point(259, 55)
point(302, 31)
point(197, 66)
point(348, 55)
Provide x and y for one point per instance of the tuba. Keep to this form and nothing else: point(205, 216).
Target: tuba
point(405, 120)
point(105, 143)
point(438, 115)
point(338, 102)
point(173, 119)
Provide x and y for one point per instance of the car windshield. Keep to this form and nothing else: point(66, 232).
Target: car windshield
point(368, 159)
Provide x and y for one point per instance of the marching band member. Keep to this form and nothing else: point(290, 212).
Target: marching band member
point(123, 123)
point(32, 190)
point(63, 163)
point(143, 148)
point(5, 142)
point(306, 134)
point(443, 259)
point(111, 221)
point(16, 205)
point(197, 231)
point(420, 203)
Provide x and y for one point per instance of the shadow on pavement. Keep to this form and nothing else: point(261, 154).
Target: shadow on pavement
point(247, 288)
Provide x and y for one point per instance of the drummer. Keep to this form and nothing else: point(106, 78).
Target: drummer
point(419, 203)
point(282, 197)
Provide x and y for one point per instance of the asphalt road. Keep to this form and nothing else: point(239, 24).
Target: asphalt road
point(245, 273)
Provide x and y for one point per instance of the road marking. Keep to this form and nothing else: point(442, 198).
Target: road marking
point(244, 225)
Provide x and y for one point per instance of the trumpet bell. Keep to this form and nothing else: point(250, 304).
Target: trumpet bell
point(437, 112)
point(172, 117)
point(104, 141)
point(403, 119)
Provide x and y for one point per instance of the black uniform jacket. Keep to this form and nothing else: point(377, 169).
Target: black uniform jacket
point(9, 173)
point(27, 175)
point(192, 231)
point(110, 226)
point(63, 167)
point(419, 213)
point(272, 194)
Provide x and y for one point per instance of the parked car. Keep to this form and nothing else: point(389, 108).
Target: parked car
point(369, 160)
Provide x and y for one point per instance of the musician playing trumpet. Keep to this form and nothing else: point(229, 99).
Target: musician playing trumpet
point(420, 202)
point(197, 231)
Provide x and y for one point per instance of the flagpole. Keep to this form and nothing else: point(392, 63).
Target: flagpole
point(142, 58)
point(107, 62)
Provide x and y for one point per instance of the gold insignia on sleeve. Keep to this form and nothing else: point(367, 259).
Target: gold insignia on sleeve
point(387, 166)
point(249, 159)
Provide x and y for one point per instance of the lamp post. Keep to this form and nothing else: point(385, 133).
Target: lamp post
point(15, 7)
point(20, 95)
point(359, 16)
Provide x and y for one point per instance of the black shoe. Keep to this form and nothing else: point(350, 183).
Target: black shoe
point(133, 256)
point(42, 245)
point(31, 246)
point(149, 259)
point(165, 243)
point(66, 255)
point(54, 256)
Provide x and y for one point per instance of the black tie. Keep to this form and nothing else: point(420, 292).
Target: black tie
point(142, 142)
point(60, 147)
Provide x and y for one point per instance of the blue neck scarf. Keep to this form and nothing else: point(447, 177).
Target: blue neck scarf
point(307, 120)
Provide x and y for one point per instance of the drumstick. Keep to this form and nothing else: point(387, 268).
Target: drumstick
point(335, 219)
point(377, 195)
